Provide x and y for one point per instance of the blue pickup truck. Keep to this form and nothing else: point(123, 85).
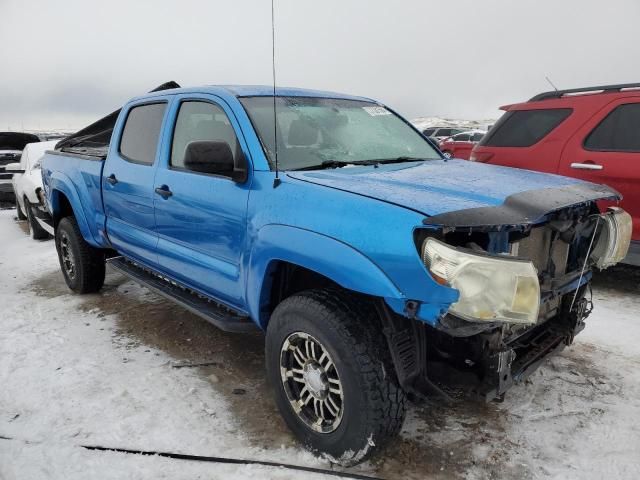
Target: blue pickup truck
point(379, 270)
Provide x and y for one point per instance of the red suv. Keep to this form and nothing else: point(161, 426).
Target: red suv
point(588, 133)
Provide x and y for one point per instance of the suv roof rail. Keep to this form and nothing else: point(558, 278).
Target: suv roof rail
point(600, 89)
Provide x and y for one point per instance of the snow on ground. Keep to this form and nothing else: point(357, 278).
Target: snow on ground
point(113, 369)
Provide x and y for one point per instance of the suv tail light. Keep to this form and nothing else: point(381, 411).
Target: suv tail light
point(482, 157)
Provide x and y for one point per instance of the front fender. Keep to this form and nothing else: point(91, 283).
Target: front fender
point(60, 184)
point(325, 255)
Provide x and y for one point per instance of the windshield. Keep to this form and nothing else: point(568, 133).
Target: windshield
point(314, 131)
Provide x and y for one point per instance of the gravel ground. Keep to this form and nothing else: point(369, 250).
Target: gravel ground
point(126, 368)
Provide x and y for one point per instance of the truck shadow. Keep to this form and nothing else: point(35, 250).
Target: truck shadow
point(439, 439)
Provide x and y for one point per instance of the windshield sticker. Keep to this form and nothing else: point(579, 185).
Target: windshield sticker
point(375, 111)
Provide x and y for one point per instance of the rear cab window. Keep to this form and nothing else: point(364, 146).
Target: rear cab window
point(523, 128)
point(139, 141)
point(619, 131)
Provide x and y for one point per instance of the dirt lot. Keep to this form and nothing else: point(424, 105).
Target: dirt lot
point(127, 368)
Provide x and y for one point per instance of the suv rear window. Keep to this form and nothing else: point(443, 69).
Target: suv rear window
point(523, 128)
point(139, 140)
point(618, 132)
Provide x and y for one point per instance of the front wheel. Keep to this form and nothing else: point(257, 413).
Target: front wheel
point(21, 215)
point(36, 231)
point(334, 383)
point(83, 266)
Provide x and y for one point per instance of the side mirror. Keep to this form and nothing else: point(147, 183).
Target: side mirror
point(13, 168)
point(214, 158)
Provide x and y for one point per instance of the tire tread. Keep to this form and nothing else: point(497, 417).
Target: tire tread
point(93, 269)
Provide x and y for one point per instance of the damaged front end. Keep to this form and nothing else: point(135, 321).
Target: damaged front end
point(523, 289)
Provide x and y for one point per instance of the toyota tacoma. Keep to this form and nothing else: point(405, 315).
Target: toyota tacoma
point(379, 270)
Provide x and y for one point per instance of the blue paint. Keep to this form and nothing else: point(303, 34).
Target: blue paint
point(221, 238)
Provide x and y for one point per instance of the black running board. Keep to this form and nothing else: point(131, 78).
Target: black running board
point(219, 315)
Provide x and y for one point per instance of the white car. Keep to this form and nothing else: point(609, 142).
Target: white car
point(11, 145)
point(27, 185)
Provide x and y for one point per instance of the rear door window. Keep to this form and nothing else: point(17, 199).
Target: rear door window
point(429, 131)
point(461, 137)
point(618, 132)
point(523, 128)
point(444, 132)
point(139, 141)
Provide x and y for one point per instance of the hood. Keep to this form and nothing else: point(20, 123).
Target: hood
point(439, 187)
point(16, 140)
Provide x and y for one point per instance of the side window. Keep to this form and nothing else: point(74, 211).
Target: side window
point(139, 140)
point(523, 128)
point(477, 137)
point(444, 132)
point(461, 137)
point(618, 132)
point(199, 121)
point(428, 132)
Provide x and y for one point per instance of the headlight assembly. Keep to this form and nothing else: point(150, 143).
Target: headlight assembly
point(491, 288)
point(613, 238)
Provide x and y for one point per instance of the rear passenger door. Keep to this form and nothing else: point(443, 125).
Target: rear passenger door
point(127, 182)
point(607, 150)
point(202, 222)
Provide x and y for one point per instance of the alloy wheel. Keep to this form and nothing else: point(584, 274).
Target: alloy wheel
point(311, 382)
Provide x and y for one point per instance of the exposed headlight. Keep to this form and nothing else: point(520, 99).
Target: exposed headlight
point(614, 237)
point(491, 289)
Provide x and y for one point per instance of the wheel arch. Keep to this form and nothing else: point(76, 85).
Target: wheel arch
point(61, 204)
point(286, 259)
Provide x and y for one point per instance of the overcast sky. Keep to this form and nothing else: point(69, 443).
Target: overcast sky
point(66, 63)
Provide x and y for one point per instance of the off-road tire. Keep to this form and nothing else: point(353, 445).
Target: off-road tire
point(88, 262)
point(374, 405)
point(35, 230)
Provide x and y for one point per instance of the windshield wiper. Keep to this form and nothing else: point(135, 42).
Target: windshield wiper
point(400, 160)
point(338, 164)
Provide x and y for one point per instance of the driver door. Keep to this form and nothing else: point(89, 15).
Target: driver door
point(201, 217)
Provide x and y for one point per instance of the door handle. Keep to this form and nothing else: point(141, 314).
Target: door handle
point(586, 166)
point(164, 191)
point(112, 179)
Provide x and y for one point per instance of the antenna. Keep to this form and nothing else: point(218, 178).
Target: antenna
point(276, 181)
point(551, 83)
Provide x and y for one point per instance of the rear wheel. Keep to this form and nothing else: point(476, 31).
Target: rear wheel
point(331, 371)
point(83, 266)
point(448, 153)
point(36, 231)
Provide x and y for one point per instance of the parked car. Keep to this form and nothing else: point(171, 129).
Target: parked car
point(27, 186)
point(371, 282)
point(440, 133)
point(461, 144)
point(11, 145)
point(589, 133)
